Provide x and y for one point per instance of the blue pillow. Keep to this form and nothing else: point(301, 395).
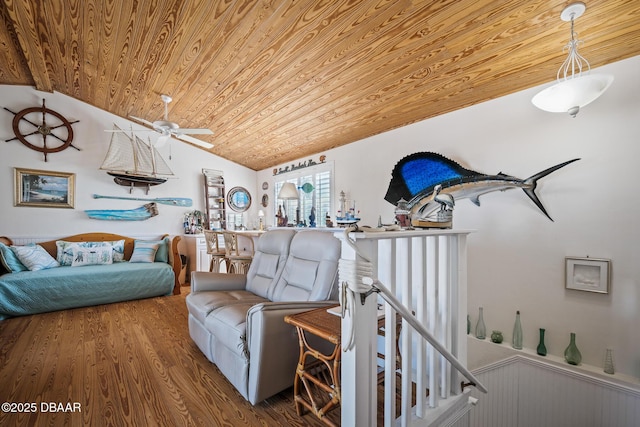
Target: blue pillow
point(34, 257)
point(162, 255)
point(9, 260)
point(144, 251)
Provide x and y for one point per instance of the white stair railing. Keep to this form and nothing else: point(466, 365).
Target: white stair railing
point(426, 275)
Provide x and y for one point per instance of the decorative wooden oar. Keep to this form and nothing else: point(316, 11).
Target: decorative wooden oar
point(173, 201)
point(140, 214)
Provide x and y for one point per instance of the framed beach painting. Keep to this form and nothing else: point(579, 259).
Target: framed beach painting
point(44, 189)
point(588, 274)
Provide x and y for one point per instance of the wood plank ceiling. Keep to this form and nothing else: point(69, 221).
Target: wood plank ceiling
point(283, 79)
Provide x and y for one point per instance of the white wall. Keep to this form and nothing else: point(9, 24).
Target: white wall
point(516, 255)
point(186, 162)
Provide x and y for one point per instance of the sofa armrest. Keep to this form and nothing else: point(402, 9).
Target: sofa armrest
point(176, 263)
point(273, 346)
point(206, 281)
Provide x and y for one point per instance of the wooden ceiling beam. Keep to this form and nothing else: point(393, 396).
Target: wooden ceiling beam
point(31, 31)
point(15, 70)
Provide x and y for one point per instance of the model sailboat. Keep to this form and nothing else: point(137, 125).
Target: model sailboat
point(133, 162)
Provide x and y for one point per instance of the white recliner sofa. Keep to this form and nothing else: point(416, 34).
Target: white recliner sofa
point(237, 321)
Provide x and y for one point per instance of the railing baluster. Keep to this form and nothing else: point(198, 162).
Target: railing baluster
point(443, 312)
point(421, 314)
point(387, 249)
point(432, 318)
point(404, 267)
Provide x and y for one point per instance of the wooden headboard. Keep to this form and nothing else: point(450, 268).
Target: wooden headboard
point(50, 246)
point(174, 255)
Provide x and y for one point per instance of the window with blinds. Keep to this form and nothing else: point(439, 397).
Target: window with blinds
point(315, 187)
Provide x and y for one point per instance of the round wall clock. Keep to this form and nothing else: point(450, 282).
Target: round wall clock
point(42, 129)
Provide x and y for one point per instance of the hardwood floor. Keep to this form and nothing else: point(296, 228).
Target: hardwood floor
point(129, 363)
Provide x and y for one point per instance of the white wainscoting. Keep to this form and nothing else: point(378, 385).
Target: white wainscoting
point(526, 392)
point(19, 241)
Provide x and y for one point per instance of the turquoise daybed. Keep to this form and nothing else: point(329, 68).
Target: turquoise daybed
point(29, 292)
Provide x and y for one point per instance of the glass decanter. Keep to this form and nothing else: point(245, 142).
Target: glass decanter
point(571, 354)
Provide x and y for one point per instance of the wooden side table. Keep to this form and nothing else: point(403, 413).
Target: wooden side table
point(319, 373)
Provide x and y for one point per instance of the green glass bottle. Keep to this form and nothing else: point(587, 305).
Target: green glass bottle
point(517, 333)
point(572, 354)
point(481, 329)
point(541, 349)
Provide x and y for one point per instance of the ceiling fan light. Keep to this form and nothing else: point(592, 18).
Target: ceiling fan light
point(162, 140)
point(571, 93)
point(167, 128)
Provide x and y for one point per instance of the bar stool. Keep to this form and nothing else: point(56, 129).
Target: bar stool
point(239, 259)
point(217, 254)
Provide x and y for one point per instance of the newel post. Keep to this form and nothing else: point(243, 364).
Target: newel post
point(359, 346)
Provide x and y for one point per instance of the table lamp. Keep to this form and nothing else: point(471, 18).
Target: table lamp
point(288, 192)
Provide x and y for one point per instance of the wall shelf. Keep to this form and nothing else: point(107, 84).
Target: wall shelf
point(214, 197)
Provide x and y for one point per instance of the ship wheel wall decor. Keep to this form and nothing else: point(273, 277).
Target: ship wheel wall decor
point(42, 129)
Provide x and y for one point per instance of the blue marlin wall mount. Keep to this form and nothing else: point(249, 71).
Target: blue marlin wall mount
point(414, 178)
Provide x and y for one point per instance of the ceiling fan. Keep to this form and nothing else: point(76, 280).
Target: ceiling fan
point(168, 128)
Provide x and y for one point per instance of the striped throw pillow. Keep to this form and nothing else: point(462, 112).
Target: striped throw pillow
point(144, 251)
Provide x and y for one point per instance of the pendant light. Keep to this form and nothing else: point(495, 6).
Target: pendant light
point(575, 86)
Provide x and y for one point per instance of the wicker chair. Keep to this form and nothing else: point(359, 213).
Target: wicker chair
point(217, 254)
point(238, 258)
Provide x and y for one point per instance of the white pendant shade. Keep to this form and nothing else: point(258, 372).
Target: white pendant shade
point(574, 89)
point(572, 94)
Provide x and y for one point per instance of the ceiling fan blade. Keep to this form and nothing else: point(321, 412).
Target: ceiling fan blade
point(146, 122)
point(129, 131)
point(193, 131)
point(195, 141)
